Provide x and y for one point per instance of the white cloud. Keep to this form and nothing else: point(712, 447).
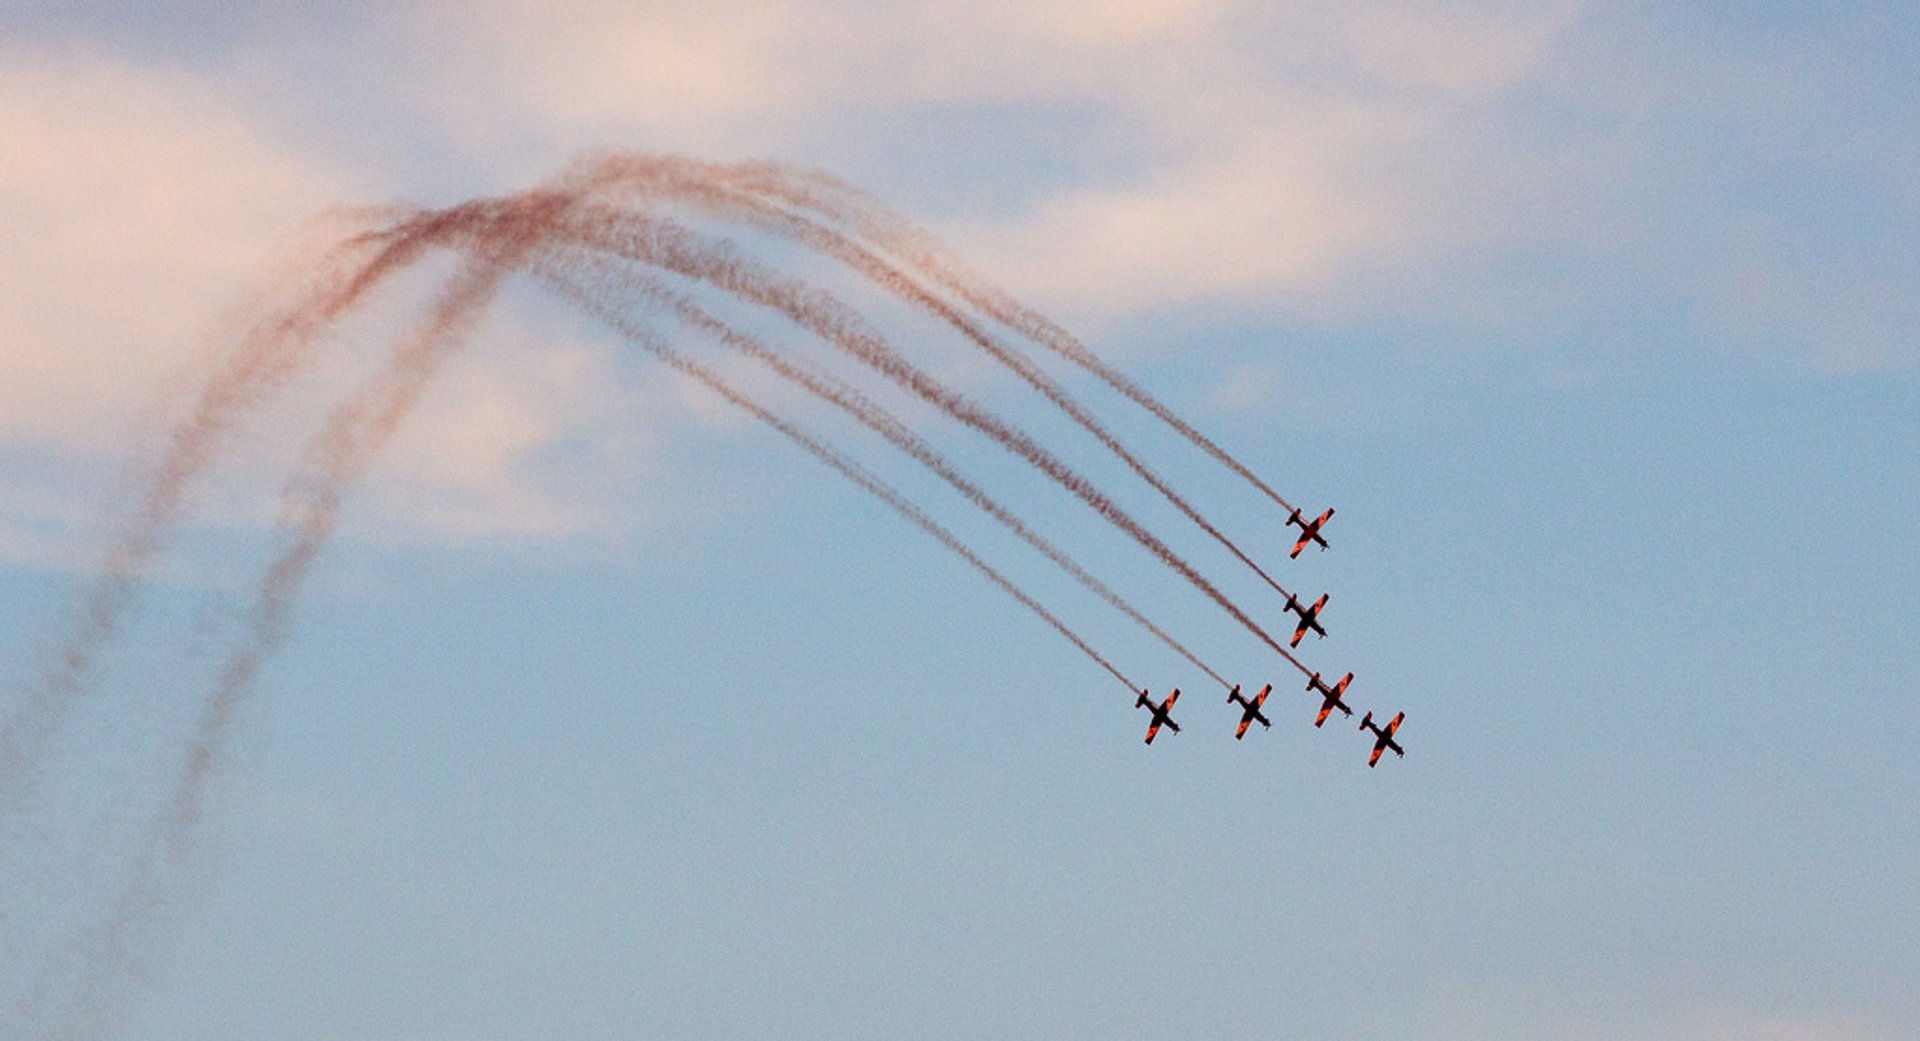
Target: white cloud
point(1259, 221)
point(140, 203)
point(1247, 139)
point(527, 435)
point(137, 201)
point(1470, 50)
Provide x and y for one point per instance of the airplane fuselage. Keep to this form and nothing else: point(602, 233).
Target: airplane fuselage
point(1309, 617)
point(1162, 713)
point(1329, 696)
point(1309, 530)
point(1249, 710)
point(1383, 738)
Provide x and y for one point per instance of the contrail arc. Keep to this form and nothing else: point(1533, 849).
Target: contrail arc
point(677, 180)
point(653, 344)
point(849, 205)
point(861, 408)
point(871, 415)
point(666, 244)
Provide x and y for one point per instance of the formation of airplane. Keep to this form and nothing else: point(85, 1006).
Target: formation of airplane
point(1309, 618)
point(1330, 697)
point(1160, 713)
point(1309, 531)
point(1249, 710)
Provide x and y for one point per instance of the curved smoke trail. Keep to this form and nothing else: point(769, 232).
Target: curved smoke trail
point(555, 233)
point(597, 305)
point(849, 205)
point(666, 244)
point(699, 184)
point(107, 953)
point(269, 354)
point(871, 415)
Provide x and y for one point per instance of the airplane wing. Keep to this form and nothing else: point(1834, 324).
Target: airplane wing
point(1300, 545)
point(1173, 697)
point(1322, 717)
point(1375, 757)
point(1155, 729)
point(1241, 731)
point(1261, 697)
point(1395, 725)
point(1298, 631)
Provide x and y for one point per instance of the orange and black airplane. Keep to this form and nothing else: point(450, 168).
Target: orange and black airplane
point(1309, 530)
point(1384, 738)
point(1160, 716)
point(1309, 618)
point(1329, 696)
point(1249, 710)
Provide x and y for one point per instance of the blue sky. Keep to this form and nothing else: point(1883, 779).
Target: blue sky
point(610, 715)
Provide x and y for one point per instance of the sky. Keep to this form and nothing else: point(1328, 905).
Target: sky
point(609, 714)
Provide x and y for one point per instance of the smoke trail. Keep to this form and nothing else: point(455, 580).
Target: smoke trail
point(595, 304)
point(666, 244)
point(268, 355)
point(873, 220)
point(107, 954)
point(875, 418)
point(871, 415)
point(703, 185)
point(879, 420)
point(508, 229)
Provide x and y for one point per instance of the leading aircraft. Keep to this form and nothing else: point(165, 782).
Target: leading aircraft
point(1329, 697)
point(1309, 618)
point(1249, 710)
point(1160, 716)
point(1309, 530)
point(1384, 739)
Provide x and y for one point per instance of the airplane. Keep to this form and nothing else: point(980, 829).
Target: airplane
point(1329, 698)
point(1309, 618)
point(1160, 715)
point(1385, 739)
point(1309, 531)
point(1250, 710)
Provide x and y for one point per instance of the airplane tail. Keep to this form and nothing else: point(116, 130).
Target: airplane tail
point(1367, 722)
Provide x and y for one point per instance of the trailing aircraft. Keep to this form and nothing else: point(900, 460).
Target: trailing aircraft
point(1309, 618)
point(1160, 716)
point(1249, 710)
point(1309, 530)
point(1384, 739)
point(1329, 696)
